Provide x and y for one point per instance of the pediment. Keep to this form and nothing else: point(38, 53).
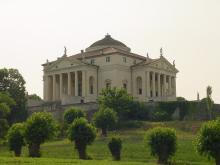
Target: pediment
point(62, 63)
point(163, 64)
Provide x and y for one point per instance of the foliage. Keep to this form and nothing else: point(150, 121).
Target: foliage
point(208, 140)
point(3, 128)
point(83, 134)
point(115, 146)
point(105, 119)
point(133, 152)
point(40, 126)
point(166, 109)
point(16, 138)
point(72, 113)
point(117, 99)
point(12, 83)
point(137, 111)
point(34, 97)
point(180, 98)
point(159, 115)
point(5, 103)
point(162, 142)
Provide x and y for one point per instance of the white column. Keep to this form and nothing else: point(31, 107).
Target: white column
point(153, 83)
point(76, 84)
point(54, 87)
point(144, 85)
point(69, 84)
point(148, 84)
point(164, 85)
point(158, 85)
point(45, 87)
point(174, 85)
point(169, 85)
point(83, 83)
point(61, 86)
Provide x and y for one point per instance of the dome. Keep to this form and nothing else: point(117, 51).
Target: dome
point(107, 41)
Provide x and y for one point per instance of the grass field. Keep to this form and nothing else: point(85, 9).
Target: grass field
point(133, 153)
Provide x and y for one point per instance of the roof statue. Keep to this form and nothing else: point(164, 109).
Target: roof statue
point(65, 50)
point(147, 55)
point(161, 51)
point(173, 62)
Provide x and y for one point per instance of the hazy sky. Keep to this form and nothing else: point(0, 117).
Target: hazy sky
point(32, 31)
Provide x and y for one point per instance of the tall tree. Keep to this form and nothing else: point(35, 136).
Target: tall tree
point(209, 101)
point(13, 84)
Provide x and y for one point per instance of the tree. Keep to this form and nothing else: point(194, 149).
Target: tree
point(180, 98)
point(34, 97)
point(72, 113)
point(12, 83)
point(16, 138)
point(209, 101)
point(115, 146)
point(162, 142)
point(105, 118)
point(208, 140)
point(83, 134)
point(117, 99)
point(5, 103)
point(40, 126)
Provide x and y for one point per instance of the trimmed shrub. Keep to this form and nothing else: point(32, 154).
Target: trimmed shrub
point(208, 140)
point(115, 146)
point(105, 119)
point(16, 138)
point(83, 134)
point(162, 142)
point(72, 113)
point(40, 126)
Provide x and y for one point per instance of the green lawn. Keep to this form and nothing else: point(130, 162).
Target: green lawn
point(133, 153)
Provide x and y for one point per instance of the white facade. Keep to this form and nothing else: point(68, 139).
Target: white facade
point(108, 63)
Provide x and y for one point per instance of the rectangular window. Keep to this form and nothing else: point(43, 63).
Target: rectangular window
point(91, 89)
point(125, 86)
point(92, 61)
point(124, 59)
point(140, 91)
point(107, 59)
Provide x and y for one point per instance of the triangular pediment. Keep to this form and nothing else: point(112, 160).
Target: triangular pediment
point(163, 64)
point(64, 62)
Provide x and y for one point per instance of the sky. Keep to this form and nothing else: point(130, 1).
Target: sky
point(32, 31)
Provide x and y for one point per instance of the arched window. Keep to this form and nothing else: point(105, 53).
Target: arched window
point(91, 85)
point(139, 85)
point(108, 83)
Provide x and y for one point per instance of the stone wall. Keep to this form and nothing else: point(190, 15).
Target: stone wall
point(57, 109)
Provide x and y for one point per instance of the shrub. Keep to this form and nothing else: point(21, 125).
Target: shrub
point(72, 113)
point(16, 138)
point(40, 126)
point(83, 134)
point(105, 118)
point(208, 140)
point(160, 116)
point(115, 146)
point(162, 142)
